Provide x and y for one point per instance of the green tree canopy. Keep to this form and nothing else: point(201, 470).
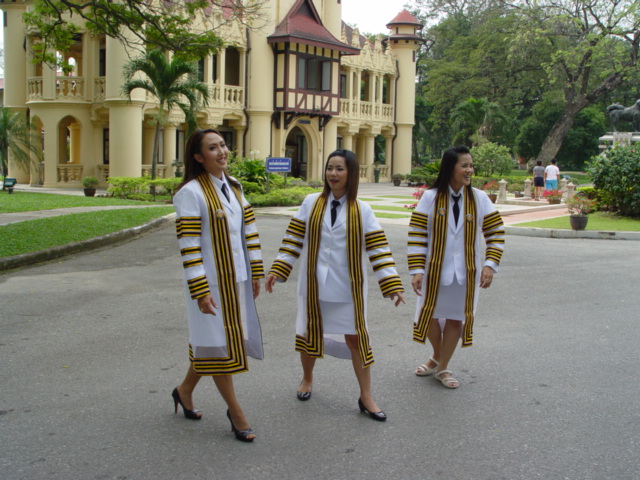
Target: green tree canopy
point(173, 82)
point(164, 25)
point(19, 140)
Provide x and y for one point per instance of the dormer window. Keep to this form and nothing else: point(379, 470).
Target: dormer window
point(314, 74)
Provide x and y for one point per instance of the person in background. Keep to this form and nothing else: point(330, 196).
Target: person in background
point(551, 174)
point(222, 263)
point(538, 180)
point(333, 232)
point(447, 233)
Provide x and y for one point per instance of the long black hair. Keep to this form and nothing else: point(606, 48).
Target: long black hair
point(192, 167)
point(353, 174)
point(449, 159)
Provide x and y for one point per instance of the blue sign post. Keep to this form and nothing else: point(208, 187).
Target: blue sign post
point(276, 164)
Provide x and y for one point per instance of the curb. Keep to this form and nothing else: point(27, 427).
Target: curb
point(24, 259)
point(561, 233)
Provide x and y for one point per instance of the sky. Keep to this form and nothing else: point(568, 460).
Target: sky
point(371, 16)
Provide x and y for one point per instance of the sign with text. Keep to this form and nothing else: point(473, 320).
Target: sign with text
point(275, 164)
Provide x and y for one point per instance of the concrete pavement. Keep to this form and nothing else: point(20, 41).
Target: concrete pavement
point(92, 345)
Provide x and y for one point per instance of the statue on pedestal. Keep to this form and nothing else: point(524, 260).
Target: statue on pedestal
point(619, 112)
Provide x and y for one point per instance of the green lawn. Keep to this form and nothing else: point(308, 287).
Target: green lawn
point(36, 235)
point(597, 221)
point(29, 202)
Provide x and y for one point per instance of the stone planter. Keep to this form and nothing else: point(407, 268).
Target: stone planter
point(493, 197)
point(578, 222)
point(89, 192)
point(554, 201)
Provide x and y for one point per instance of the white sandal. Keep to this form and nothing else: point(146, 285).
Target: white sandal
point(448, 382)
point(424, 370)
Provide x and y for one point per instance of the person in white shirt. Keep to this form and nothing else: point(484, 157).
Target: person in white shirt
point(551, 174)
point(222, 262)
point(456, 238)
point(334, 232)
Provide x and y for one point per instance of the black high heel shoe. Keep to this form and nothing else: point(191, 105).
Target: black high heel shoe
point(379, 416)
point(190, 414)
point(241, 435)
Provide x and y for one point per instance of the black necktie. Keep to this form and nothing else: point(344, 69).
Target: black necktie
point(334, 211)
point(226, 192)
point(456, 208)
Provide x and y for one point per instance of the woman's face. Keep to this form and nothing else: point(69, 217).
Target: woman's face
point(462, 172)
point(213, 154)
point(336, 174)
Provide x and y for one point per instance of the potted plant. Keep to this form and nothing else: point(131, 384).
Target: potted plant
point(553, 196)
point(90, 184)
point(491, 188)
point(397, 179)
point(578, 207)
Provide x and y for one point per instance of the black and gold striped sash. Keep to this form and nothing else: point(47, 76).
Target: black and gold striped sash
point(436, 260)
point(313, 343)
point(236, 361)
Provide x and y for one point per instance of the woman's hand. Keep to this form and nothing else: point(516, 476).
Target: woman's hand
point(486, 277)
point(207, 305)
point(255, 284)
point(397, 297)
point(270, 282)
point(416, 283)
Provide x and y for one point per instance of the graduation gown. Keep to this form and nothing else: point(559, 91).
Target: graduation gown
point(332, 270)
point(443, 251)
point(220, 249)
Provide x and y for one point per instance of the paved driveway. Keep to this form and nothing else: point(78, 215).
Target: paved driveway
point(92, 345)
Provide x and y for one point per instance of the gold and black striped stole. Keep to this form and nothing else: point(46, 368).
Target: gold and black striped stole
point(354, 259)
point(297, 229)
point(470, 232)
point(418, 238)
point(434, 266)
point(493, 230)
point(313, 344)
point(236, 361)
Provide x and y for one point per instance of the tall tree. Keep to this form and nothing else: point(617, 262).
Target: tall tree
point(19, 140)
point(594, 47)
point(164, 25)
point(474, 119)
point(174, 83)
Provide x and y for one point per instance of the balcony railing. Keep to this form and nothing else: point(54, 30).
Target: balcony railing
point(366, 110)
point(69, 173)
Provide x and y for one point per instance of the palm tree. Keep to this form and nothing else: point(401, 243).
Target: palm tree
point(18, 138)
point(475, 118)
point(171, 82)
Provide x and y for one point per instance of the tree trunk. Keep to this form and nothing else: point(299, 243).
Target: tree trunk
point(154, 156)
point(559, 131)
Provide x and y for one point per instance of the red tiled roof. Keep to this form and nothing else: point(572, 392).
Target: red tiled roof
point(404, 18)
point(303, 25)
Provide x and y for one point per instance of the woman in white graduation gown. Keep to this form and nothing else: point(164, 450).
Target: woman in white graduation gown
point(333, 232)
point(449, 228)
point(222, 265)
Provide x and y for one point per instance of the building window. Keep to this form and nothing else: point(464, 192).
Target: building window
point(343, 85)
point(314, 74)
point(201, 70)
point(214, 68)
point(105, 146)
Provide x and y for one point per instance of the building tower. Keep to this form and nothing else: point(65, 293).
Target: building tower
point(405, 42)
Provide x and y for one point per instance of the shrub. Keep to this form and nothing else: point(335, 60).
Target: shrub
point(492, 159)
point(282, 197)
point(90, 182)
point(616, 173)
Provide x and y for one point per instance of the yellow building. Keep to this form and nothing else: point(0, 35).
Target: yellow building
point(300, 87)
